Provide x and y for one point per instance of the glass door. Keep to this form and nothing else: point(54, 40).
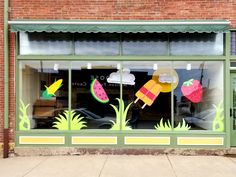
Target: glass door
point(233, 109)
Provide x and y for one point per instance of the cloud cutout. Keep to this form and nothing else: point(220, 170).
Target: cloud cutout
point(127, 78)
point(165, 78)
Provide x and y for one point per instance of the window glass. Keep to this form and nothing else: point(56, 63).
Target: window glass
point(95, 87)
point(46, 43)
point(196, 44)
point(145, 44)
point(199, 96)
point(43, 94)
point(147, 86)
point(233, 43)
point(96, 44)
point(233, 64)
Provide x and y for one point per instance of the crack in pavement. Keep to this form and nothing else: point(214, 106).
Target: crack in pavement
point(103, 166)
point(171, 165)
point(37, 165)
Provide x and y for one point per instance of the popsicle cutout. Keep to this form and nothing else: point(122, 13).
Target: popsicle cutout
point(51, 90)
point(148, 93)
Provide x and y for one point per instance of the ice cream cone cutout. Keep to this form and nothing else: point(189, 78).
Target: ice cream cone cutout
point(148, 92)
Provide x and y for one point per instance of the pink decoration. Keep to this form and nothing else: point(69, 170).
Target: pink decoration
point(192, 90)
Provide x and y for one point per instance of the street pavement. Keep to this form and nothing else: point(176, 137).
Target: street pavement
point(118, 166)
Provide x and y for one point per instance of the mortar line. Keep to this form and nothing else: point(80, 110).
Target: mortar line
point(103, 166)
point(171, 165)
point(35, 166)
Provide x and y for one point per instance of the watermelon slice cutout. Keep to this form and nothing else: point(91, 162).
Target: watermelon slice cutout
point(98, 92)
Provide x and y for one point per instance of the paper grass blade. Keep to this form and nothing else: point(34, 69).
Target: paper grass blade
point(24, 123)
point(62, 121)
point(121, 113)
point(218, 122)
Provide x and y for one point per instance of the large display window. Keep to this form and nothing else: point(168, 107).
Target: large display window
point(127, 95)
point(44, 93)
point(199, 96)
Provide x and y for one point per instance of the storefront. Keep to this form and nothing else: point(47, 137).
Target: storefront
point(124, 84)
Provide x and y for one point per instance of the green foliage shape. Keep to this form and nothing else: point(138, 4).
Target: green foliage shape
point(218, 122)
point(182, 126)
point(167, 127)
point(163, 127)
point(121, 114)
point(64, 118)
point(24, 123)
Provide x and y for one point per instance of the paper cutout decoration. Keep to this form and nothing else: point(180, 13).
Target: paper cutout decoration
point(192, 90)
point(167, 78)
point(51, 90)
point(148, 92)
point(218, 121)
point(121, 116)
point(69, 120)
point(98, 92)
point(24, 123)
point(127, 77)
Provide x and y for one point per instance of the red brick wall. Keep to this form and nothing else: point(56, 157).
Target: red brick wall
point(124, 9)
point(1, 72)
point(104, 10)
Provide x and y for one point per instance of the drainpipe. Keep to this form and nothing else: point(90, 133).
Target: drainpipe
point(6, 83)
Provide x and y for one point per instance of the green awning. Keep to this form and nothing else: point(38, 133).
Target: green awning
point(198, 26)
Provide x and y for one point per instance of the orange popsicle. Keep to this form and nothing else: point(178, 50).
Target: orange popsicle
point(148, 92)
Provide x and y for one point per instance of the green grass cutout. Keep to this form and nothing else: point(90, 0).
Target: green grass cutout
point(163, 127)
point(167, 127)
point(121, 113)
point(218, 122)
point(182, 126)
point(63, 119)
point(24, 123)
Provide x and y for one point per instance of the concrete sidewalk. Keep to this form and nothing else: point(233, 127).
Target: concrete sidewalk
point(119, 166)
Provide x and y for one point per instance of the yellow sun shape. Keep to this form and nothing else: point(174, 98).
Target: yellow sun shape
point(167, 78)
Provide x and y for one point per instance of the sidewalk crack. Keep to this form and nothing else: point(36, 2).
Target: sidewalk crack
point(103, 166)
point(43, 160)
point(171, 165)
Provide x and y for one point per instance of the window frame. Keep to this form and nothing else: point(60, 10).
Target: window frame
point(225, 58)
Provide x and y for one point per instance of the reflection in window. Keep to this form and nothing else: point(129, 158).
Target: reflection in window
point(151, 94)
point(196, 44)
point(46, 43)
point(97, 44)
point(44, 86)
point(233, 43)
point(145, 44)
point(92, 94)
point(156, 95)
point(198, 99)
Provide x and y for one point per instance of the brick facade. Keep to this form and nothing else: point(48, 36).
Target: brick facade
point(1, 72)
point(103, 10)
point(124, 9)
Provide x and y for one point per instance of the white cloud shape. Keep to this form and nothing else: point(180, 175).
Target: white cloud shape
point(127, 78)
point(166, 78)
